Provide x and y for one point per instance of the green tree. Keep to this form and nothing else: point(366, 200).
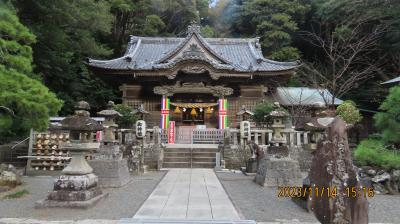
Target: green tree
point(178, 14)
point(348, 112)
point(261, 110)
point(133, 17)
point(68, 32)
point(276, 22)
point(29, 103)
point(388, 120)
point(367, 14)
point(128, 119)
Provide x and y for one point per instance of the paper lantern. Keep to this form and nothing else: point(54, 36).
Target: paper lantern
point(193, 112)
point(177, 110)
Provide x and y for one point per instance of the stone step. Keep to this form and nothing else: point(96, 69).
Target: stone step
point(176, 164)
point(204, 154)
point(188, 221)
point(177, 159)
point(204, 159)
point(180, 150)
point(203, 165)
point(188, 150)
point(176, 154)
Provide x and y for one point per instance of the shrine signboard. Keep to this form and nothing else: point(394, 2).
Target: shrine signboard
point(171, 132)
point(140, 128)
point(245, 129)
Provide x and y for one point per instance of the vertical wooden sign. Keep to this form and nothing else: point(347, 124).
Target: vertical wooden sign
point(171, 132)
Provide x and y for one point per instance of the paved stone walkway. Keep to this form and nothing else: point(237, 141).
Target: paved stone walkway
point(192, 194)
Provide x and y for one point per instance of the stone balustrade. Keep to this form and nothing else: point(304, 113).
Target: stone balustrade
point(264, 136)
point(156, 135)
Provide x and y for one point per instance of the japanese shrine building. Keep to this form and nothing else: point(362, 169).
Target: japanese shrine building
point(193, 80)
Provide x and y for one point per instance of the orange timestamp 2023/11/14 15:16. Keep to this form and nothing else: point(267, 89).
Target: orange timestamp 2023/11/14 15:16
point(329, 192)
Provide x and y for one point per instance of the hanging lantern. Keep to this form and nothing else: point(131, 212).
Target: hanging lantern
point(193, 112)
point(201, 109)
point(208, 110)
point(184, 109)
point(177, 110)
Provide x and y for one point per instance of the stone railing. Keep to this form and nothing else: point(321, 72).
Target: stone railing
point(264, 136)
point(127, 136)
point(156, 135)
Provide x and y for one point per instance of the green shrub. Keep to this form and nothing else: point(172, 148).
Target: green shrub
point(128, 119)
point(372, 152)
point(388, 120)
point(262, 109)
point(349, 112)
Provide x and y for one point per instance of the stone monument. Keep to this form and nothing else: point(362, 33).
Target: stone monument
point(107, 162)
point(77, 186)
point(276, 168)
point(332, 168)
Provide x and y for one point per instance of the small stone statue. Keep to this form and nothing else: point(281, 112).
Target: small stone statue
point(333, 168)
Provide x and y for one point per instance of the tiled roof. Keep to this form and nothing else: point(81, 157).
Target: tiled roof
point(303, 96)
point(234, 54)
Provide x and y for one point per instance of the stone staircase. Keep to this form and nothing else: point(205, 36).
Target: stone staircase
point(199, 156)
point(184, 221)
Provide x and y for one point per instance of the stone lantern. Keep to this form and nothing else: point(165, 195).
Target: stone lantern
point(141, 112)
point(277, 117)
point(245, 115)
point(108, 164)
point(77, 185)
point(317, 126)
point(109, 123)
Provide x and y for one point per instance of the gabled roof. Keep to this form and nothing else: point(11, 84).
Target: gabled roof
point(303, 96)
point(242, 55)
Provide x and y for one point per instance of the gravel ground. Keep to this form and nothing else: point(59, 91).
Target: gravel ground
point(121, 203)
point(261, 203)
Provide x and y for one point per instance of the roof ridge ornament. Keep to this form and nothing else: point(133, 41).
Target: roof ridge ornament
point(193, 27)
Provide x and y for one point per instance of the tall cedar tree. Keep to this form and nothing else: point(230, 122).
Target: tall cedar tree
point(275, 22)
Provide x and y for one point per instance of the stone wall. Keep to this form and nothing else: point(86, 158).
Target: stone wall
point(303, 156)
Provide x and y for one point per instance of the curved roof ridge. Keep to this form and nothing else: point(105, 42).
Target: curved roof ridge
point(132, 54)
point(253, 51)
point(186, 39)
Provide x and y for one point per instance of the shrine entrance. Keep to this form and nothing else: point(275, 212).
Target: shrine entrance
point(196, 110)
point(197, 105)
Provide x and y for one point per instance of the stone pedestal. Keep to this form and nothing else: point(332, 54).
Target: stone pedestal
point(73, 191)
point(77, 187)
point(111, 172)
point(109, 166)
point(274, 172)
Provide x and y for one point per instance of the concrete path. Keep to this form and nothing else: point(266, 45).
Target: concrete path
point(191, 194)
